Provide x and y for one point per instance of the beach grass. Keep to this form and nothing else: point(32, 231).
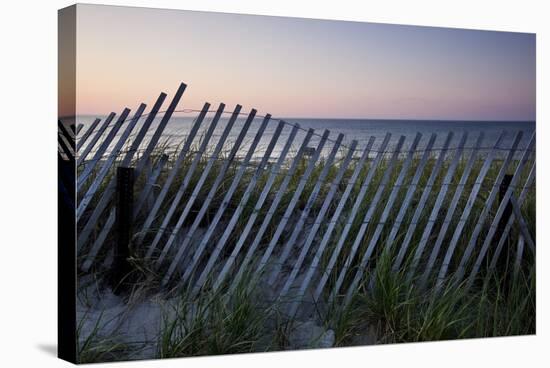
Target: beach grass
point(387, 307)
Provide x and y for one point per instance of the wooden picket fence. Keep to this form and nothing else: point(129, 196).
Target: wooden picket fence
point(321, 242)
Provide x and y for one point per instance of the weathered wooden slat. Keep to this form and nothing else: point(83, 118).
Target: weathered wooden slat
point(95, 138)
point(107, 195)
point(109, 191)
point(103, 145)
point(291, 205)
point(90, 192)
point(61, 150)
point(275, 171)
point(267, 218)
point(160, 129)
point(173, 173)
point(98, 155)
point(331, 225)
point(110, 187)
point(64, 147)
point(66, 140)
point(410, 192)
point(186, 180)
point(237, 212)
point(523, 195)
point(210, 196)
point(318, 219)
point(190, 268)
point(350, 220)
point(519, 255)
point(305, 212)
point(469, 206)
point(385, 213)
point(82, 140)
point(136, 143)
point(524, 230)
point(363, 265)
point(368, 217)
point(421, 206)
point(449, 215)
point(69, 136)
point(111, 219)
point(194, 195)
point(508, 197)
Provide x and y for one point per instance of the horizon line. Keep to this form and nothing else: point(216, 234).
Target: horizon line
point(339, 118)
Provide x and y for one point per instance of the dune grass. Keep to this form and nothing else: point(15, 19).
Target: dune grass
point(388, 307)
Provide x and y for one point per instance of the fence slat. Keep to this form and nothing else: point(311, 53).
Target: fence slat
point(278, 197)
point(368, 216)
point(90, 165)
point(449, 216)
point(305, 212)
point(64, 147)
point(291, 205)
point(383, 217)
point(470, 205)
point(318, 220)
point(530, 180)
point(496, 220)
point(236, 214)
point(82, 140)
point(105, 200)
point(69, 136)
point(97, 135)
point(112, 216)
point(410, 192)
point(189, 269)
point(524, 230)
point(110, 188)
point(275, 171)
point(519, 255)
point(351, 218)
point(420, 207)
point(90, 192)
point(196, 191)
point(173, 173)
point(185, 183)
point(332, 223)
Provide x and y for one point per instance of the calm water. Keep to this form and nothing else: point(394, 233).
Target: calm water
point(361, 130)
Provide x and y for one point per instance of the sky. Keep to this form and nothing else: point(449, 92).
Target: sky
point(294, 67)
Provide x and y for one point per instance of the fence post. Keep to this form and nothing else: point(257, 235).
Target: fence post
point(124, 216)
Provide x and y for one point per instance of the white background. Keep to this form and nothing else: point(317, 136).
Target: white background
point(28, 266)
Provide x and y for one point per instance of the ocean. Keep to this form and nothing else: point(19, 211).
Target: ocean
point(353, 129)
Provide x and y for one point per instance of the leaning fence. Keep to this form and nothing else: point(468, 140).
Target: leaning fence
point(243, 195)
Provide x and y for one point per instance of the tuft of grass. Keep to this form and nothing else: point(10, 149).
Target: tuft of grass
point(399, 311)
point(94, 347)
point(212, 323)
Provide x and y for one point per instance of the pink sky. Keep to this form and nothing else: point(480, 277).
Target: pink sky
point(300, 67)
